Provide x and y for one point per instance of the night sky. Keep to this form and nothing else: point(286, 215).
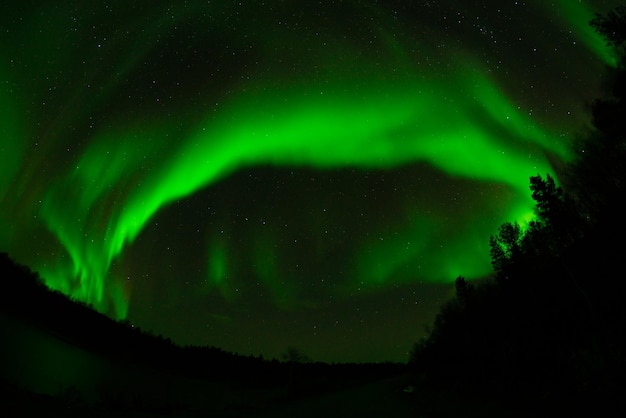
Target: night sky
point(259, 175)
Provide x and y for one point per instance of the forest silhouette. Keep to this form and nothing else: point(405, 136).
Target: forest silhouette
point(551, 324)
point(547, 331)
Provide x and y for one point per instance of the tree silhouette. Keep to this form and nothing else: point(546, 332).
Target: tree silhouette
point(505, 249)
point(611, 27)
point(597, 177)
point(294, 355)
point(554, 317)
point(464, 290)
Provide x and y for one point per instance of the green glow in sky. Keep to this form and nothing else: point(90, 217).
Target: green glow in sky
point(457, 127)
point(577, 14)
point(344, 103)
point(11, 144)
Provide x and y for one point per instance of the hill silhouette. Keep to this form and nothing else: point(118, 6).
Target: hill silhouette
point(84, 356)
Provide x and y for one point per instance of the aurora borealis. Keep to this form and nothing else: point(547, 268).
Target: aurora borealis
point(257, 175)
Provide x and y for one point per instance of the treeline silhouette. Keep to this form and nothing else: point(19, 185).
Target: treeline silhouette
point(552, 322)
point(25, 298)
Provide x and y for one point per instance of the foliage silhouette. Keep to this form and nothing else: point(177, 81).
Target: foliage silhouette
point(611, 27)
point(553, 323)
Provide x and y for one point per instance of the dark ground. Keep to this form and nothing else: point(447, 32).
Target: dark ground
point(384, 398)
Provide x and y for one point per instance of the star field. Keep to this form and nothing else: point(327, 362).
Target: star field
point(259, 175)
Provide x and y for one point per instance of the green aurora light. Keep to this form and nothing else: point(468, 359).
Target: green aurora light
point(334, 106)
